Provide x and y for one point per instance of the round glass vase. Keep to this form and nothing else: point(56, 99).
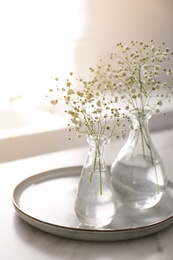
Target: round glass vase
point(138, 173)
point(95, 203)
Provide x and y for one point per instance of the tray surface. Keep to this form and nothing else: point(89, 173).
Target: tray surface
point(46, 201)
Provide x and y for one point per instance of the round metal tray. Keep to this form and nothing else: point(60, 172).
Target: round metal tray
point(46, 201)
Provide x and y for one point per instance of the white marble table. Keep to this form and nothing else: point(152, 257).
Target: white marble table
point(19, 240)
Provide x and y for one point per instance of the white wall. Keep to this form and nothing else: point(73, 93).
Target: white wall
point(108, 22)
point(42, 39)
point(36, 45)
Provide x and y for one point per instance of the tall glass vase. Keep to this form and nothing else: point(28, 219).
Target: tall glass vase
point(95, 203)
point(138, 173)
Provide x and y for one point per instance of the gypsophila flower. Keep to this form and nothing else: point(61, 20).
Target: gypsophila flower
point(140, 75)
point(92, 108)
point(169, 72)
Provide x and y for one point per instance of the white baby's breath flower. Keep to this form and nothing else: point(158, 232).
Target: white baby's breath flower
point(153, 48)
point(108, 127)
point(126, 48)
point(145, 66)
point(123, 134)
point(157, 67)
point(163, 57)
point(164, 84)
point(169, 72)
point(123, 73)
point(145, 73)
point(157, 53)
point(118, 61)
point(134, 62)
point(159, 103)
point(120, 85)
point(165, 53)
point(99, 110)
point(133, 90)
point(69, 91)
point(157, 85)
point(132, 54)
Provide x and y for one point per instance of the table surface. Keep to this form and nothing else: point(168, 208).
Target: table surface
point(19, 240)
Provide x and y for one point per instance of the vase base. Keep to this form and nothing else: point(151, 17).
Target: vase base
point(142, 205)
point(94, 223)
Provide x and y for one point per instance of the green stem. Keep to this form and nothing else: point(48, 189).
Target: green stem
point(94, 166)
point(101, 186)
point(152, 159)
point(143, 140)
point(97, 153)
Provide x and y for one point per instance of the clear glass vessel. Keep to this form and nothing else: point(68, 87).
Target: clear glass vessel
point(138, 173)
point(95, 203)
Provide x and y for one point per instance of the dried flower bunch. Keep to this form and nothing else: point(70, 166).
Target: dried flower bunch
point(92, 110)
point(139, 76)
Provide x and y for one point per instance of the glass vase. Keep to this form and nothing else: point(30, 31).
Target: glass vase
point(138, 173)
point(95, 203)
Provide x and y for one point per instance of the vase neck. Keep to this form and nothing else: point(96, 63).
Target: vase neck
point(140, 118)
point(97, 141)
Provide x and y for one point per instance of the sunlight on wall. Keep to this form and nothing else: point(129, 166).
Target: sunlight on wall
point(42, 39)
point(112, 21)
point(36, 44)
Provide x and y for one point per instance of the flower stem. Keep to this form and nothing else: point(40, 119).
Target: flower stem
point(97, 156)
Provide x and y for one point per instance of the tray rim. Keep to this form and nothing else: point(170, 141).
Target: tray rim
point(54, 173)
